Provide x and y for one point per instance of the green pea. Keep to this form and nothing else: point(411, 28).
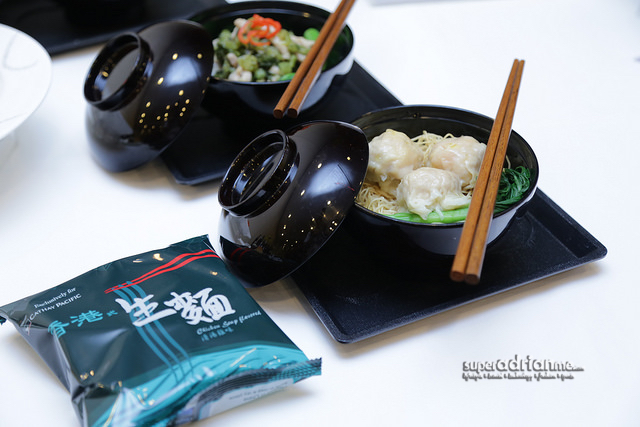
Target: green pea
point(311, 34)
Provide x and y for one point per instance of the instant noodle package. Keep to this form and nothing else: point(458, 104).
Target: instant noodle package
point(161, 338)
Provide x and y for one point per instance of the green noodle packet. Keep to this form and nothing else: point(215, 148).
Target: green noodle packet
point(162, 338)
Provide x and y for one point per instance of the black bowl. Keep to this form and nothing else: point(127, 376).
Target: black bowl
point(402, 239)
point(263, 97)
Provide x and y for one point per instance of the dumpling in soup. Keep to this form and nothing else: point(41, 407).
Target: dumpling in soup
point(392, 155)
point(461, 155)
point(426, 189)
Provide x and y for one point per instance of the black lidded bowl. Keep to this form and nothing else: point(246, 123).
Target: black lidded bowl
point(398, 238)
point(262, 97)
point(284, 196)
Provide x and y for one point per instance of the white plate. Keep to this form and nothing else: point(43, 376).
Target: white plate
point(25, 75)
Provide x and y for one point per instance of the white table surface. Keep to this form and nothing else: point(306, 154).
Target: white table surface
point(61, 215)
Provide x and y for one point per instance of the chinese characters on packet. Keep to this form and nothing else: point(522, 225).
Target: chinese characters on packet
point(196, 308)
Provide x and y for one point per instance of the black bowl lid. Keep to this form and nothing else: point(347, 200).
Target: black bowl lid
point(285, 195)
point(160, 73)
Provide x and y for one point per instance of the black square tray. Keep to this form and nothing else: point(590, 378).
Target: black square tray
point(356, 294)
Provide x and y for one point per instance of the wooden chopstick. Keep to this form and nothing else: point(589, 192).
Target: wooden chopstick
point(309, 70)
point(467, 263)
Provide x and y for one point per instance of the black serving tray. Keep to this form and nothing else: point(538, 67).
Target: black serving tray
point(358, 294)
point(51, 22)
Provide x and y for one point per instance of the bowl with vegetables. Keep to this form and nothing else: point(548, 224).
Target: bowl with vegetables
point(422, 169)
point(258, 46)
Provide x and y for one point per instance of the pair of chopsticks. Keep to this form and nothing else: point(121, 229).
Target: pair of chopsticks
point(467, 263)
point(309, 70)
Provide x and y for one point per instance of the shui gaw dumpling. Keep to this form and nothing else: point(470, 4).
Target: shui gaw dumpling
point(461, 155)
point(392, 155)
point(426, 189)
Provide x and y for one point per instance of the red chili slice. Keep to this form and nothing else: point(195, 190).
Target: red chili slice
point(257, 28)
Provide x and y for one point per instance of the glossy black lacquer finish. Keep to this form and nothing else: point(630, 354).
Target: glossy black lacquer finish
point(142, 89)
point(285, 195)
point(394, 236)
point(262, 97)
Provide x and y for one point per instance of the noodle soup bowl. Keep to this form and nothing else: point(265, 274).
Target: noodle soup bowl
point(232, 97)
point(402, 239)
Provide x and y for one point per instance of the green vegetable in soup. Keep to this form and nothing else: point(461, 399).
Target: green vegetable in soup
point(514, 183)
point(448, 217)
